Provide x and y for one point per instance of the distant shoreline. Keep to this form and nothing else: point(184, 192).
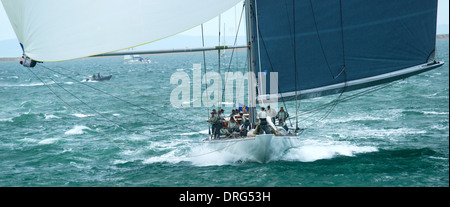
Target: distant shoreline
point(9, 59)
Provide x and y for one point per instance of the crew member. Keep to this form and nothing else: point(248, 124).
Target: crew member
point(262, 115)
point(221, 115)
point(232, 126)
point(271, 113)
point(283, 124)
point(282, 115)
point(244, 127)
point(215, 122)
point(233, 113)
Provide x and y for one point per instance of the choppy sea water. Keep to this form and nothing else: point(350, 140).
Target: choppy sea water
point(68, 132)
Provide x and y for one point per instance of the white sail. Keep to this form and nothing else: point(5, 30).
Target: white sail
point(58, 30)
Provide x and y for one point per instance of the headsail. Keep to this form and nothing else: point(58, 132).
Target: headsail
point(63, 30)
point(337, 44)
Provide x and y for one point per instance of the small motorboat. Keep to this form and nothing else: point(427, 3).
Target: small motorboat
point(102, 78)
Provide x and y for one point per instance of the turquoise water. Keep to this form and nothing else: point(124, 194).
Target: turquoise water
point(397, 136)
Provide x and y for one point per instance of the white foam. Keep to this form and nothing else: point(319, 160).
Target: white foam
point(76, 130)
point(82, 115)
point(29, 140)
point(439, 127)
point(210, 155)
point(48, 141)
point(192, 133)
point(435, 113)
point(6, 120)
point(170, 157)
point(356, 118)
point(385, 133)
point(232, 152)
point(28, 85)
point(311, 153)
point(51, 117)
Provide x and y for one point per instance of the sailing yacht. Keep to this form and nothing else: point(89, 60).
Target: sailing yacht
point(317, 48)
point(320, 48)
point(135, 59)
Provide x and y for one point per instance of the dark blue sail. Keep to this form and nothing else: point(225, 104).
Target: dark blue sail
point(324, 47)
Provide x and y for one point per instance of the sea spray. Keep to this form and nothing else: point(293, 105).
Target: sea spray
point(76, 130)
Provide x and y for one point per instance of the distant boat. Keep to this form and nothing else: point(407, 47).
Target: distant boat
point(135, 59)
point(103, 78)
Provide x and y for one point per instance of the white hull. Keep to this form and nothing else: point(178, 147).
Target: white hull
point(259, 148)
point(256, 148)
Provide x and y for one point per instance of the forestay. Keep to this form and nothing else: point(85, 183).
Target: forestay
point(61, 30)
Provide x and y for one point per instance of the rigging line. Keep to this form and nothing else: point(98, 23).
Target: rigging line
point(320, 41)
point(342, 35)
point(120, 99)
point(206, 84)
point(333, 106)
point(289, 22)
point(317, 109)
point(259, 51)
point(295, 70)
point(54, 93)
point(350, 97)
point(237, 31)
point(272, 69)
point(232, 52)
point(219, 85)
point(133, 91)
point(106, 135)
point(130, 90)
point(102, 115)
point(73, 108)
point(241, 86)
point(325, 115)
point(344, 68)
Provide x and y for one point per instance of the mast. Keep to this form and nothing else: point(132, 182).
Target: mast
point(251, 61)
point(219, 85)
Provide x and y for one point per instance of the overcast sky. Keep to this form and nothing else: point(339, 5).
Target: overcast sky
point(230, 19)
